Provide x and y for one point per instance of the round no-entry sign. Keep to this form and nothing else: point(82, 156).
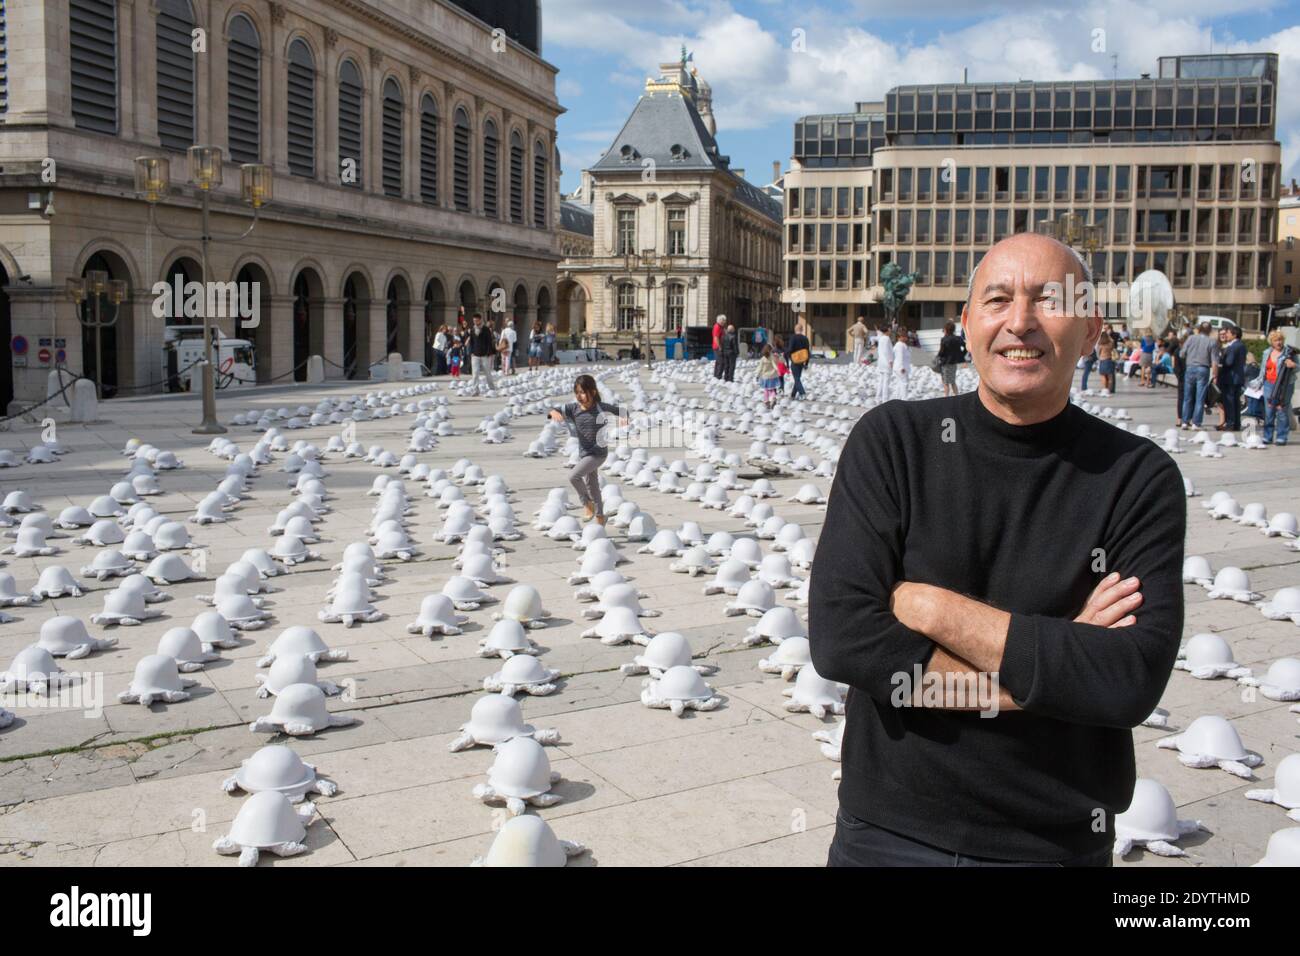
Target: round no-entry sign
point(44, 356)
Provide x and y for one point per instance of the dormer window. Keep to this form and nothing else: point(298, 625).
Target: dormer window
point(628, 154)
point(678, 153)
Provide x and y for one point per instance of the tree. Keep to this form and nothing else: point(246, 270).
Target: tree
point(897, 284)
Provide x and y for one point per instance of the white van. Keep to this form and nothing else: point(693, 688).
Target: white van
point(236, 362)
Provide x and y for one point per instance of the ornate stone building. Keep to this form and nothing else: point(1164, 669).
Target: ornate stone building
point(678, 235)
point(447, 120)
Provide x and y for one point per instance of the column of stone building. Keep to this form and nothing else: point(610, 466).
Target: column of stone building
point(212, 81)
point(374, 112)
point(413, 348)
point(36, 311)
point(446, 150)
point(411, 145)
point(139, 344)
point(372, 334)
point(331, 318)
point(280, 338)
point(37, 45)
point(275, 95)
point(327, 105)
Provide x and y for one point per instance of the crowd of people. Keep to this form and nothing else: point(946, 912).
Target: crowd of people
point(476, 345)
point(1209, 369)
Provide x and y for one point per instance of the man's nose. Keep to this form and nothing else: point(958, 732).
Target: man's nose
point(1023, 315)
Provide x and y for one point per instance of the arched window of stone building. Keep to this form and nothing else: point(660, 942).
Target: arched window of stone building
point(244, 91)
point(93, 40)
point(460, 162)
point(516, 178)
point(393, 134)
point(490, 180)
point(301, 115)
point(429, 150)
point(541, 185)
point(350, 124)
point(175, 74)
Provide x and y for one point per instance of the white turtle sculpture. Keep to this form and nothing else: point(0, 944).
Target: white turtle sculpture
point(289, 670)
point(495, 718)
point(665, 651)
point(299, 710)
point(1280, 682)
point(1285, 791)
point(1232, 584)
point(528, 840)
point(157, 678)
point(506, 639)
point(34, 670)
point(520, 776)
point(754, 598)
point(1283, 849)
point(1151, 821)
point(183, 646)
point(814, 694)
point(66, 637)
point(523, 604)
point(679, 688)
point(465, 594)
point(522, 672)
point(56, 581)
point(300, 640)
point(1208, 656)
point(791, 656)
point(350, 606)
point(437, 616)
point(1211, 741)
point(619, 625)
point(267, 822)
point(777, 624)
point(1285, 606)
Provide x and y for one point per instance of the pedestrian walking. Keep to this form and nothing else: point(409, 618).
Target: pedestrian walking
point(535, 342)
point(482, 347)
point(456, 356)
point(798, 352)
point(858, 336)
point(768, 379)
point(902, 361)
point(1232, 378)
point(719, 330)
point(1198, 353)
point(730, 352)
point(506, 346)
point(1279, 388)
point(952, 352)
point(884, 364)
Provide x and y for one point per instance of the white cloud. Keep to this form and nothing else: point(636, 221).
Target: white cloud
point(760, 82)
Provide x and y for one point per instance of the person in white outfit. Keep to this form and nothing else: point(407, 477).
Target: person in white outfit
point(507, 346)
point(884, 365)
point(902, 362)
point(858, 334)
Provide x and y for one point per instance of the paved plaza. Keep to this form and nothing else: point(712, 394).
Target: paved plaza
point(745, 784)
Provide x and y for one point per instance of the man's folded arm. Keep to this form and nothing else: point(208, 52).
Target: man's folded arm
point(854, 637)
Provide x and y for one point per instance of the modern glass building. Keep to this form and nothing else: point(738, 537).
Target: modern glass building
point(1180, 169)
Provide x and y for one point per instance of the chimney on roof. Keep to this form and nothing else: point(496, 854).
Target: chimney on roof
point(776, 170)
point(964, 73)
point(739, 172)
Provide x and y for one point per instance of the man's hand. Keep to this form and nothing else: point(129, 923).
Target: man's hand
point(1112, 602)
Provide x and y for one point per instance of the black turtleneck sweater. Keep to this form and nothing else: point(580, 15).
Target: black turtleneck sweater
point(943, 492)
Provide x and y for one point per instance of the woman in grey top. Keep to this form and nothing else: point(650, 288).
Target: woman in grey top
point(586, 420)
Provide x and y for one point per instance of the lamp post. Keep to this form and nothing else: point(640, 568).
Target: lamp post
point(1075, 231)
point(152, 181)
point(94, 285)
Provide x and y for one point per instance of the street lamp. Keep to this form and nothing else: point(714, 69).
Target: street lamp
point(95, 285)
point(1074, 230)
point(152, 181)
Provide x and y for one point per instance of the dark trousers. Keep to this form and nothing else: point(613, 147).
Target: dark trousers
point(797, 391)
point(1231, 407)
point(729, 367)
point(859, 843)
point(719, 365)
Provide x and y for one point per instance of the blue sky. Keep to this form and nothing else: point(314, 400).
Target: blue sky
point(856, 49)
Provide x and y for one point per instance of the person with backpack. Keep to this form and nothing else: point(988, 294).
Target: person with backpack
point(798, 352)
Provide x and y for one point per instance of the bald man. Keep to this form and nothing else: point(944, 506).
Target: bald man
point(998, 651)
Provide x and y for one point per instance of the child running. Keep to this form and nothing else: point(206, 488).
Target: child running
point(586, 420)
